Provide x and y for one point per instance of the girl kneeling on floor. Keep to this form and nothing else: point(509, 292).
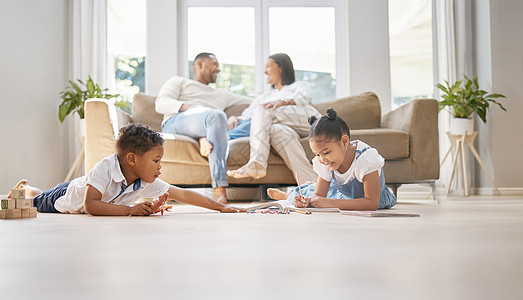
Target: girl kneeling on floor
point(350, 174)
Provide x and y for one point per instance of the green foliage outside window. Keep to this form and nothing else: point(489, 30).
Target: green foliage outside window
point(323, 85)
point(130, 77)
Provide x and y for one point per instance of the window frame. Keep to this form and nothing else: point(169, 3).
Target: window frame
point(435, 58)
point(261, 15)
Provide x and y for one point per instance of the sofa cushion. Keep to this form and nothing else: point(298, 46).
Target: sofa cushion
point(144, 112)
point(361, 111)
point(239, 153)
point(182, 149)
point(390, 143)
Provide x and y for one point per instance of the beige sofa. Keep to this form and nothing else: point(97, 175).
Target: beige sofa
point(407, 138)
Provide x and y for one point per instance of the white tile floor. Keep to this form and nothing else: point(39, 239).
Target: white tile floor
point(465, 248)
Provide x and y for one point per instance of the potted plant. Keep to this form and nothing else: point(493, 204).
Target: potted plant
point(74, 97)
point(462, 102)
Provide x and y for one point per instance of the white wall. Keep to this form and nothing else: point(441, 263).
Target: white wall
point(34, 67)
point(369, 56)
point(482, 62)
point(499, 64)
point(507, 76)
point(162, 55)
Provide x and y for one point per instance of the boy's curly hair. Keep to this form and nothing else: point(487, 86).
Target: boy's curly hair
point(137, 138)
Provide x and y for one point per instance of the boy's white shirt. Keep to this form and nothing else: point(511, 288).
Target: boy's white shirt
point(107, 177)
point(368, 162)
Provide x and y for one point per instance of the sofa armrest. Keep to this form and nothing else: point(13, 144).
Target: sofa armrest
point(419, 119)
point(102, 122)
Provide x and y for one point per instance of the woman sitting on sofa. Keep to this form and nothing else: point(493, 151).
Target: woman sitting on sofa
point(278, 118)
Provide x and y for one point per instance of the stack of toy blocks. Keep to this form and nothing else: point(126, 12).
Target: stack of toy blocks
point(17, 207)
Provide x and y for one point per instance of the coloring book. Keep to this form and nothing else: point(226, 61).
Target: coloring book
point(283, 206)
point(375, 213)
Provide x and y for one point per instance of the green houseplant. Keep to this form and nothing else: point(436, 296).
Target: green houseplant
point(464, 97)
point(74, 97)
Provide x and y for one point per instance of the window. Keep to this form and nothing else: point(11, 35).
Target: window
point(126, 30)
point(245, 33)
point(411, 50)
point(235, 52)
point(307, 35)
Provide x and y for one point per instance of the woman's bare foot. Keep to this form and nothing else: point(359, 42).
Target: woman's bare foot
point(220, 195)
point(276, 194)
point(251, 169)
point(205, 147)
point(30, 191)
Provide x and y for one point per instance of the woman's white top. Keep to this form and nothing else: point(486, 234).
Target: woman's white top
point(298, 91)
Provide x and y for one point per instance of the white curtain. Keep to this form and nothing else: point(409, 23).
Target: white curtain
point(454, 33)
point(88, 50)
point(89, 40)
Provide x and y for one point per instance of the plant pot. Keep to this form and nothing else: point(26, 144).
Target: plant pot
point(461, 125)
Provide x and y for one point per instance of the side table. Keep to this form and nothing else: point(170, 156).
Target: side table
point(459, 141)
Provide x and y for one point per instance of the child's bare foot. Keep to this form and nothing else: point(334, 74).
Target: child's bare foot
point(30, 191)
point(220, 195)
point(205, 147)
point(276, 194)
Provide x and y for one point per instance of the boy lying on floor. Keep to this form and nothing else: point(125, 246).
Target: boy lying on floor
point(119, 180)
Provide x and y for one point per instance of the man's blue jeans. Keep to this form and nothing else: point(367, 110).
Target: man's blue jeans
point(242, 130)
point(205, 122)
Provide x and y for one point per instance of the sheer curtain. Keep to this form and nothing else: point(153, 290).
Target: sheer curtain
point(454, 33)
point(88, 50)
point(89, 40)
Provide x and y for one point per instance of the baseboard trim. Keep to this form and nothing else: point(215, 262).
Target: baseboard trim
point(423, 191)
point(504, 191)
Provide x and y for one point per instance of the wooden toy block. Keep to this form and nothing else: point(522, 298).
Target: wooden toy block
point(17, 213)
point(24, 203)
point(11, 213)
point(25, 213)
point(32, 212)
point(8, 203)
point(2, 214)
point(18, 193)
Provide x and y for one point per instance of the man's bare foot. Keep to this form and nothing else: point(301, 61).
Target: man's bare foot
point(276, 194)
point(251, 169)
point(30, 191)
point(220, 195)
point(205, 147)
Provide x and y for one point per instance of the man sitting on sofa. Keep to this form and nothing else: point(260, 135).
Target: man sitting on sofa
point(193, 108)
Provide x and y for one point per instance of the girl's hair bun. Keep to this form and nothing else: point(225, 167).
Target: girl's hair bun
point(331, 114)
point(312, 119)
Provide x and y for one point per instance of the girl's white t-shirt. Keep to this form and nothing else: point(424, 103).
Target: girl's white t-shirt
point(369, 161)
point(107, 177)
